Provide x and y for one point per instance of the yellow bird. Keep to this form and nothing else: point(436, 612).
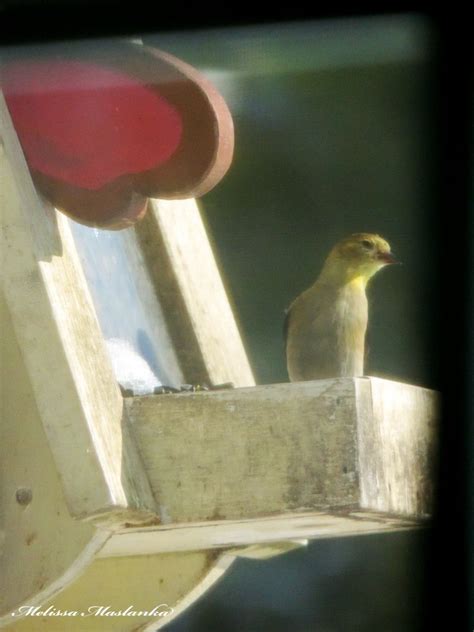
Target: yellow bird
point(325, 326)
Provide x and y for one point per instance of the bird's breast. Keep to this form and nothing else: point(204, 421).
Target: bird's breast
point(327, 333)
point(350, 325)
point(351, 310)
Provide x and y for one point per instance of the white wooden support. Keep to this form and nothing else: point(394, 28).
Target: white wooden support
point(200, 320)
point(75, 390)
point(42, 547)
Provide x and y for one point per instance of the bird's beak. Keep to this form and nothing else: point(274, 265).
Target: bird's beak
point(387, 257)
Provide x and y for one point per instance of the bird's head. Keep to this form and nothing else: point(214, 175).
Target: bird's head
point(357, 258)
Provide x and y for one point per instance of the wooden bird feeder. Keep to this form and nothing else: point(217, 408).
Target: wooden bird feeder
point(146, 501)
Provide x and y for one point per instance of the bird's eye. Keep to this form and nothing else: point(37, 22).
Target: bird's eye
point(367, 244)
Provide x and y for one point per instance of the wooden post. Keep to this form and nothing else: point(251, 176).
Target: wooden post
point(78, 399)
point(186, 279)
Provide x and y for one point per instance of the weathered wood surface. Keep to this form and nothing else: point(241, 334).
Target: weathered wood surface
point(75, 390)
point(251, 452)
point(43, 548)
point(194, 301)
point(397, 439)
point(224, 464)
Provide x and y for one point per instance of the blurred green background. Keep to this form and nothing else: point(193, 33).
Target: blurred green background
point(334, 134)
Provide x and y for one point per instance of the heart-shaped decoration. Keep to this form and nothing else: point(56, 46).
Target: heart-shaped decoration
point(105, 128)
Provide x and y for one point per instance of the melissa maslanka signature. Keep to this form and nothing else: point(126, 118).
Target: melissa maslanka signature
point(162, 610)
